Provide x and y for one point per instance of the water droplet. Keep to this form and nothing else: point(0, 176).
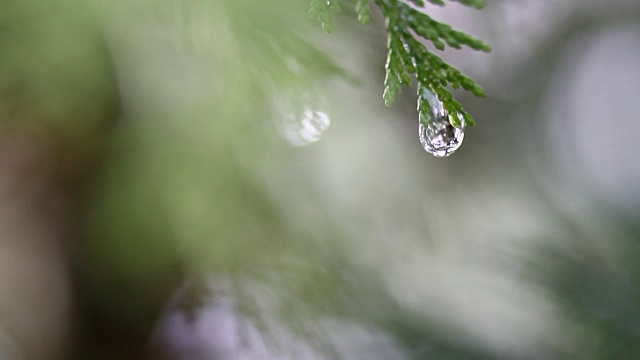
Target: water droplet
point(437, 134)
point(306, 127)
point(302, 122)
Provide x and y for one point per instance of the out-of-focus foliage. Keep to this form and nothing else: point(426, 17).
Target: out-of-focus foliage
point(147, 198)
point(54, 67)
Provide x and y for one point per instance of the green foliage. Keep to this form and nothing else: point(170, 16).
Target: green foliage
point(362, 8)
point(322, 9)
point(407, 55)
point(260, 38)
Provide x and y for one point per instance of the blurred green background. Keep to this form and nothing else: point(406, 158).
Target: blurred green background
point(170, 187)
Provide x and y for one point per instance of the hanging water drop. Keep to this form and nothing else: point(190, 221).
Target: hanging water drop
point(438, 135)
point(305, 127)
point(302, 122)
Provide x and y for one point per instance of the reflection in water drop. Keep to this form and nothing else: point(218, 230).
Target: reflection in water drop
point(437, 135)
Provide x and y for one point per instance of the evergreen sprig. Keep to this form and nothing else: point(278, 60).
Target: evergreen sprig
point(406, 25)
